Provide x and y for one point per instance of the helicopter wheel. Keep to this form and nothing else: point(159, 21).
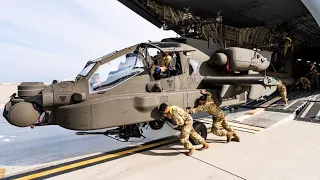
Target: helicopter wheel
point(201, 129)
point(157, 124)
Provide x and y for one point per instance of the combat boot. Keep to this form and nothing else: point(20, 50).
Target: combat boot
point(235, 138)
point(191, 151)
point(229, 136)
point(205, 146)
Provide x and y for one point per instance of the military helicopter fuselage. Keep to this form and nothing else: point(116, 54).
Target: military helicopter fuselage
point(118, 90)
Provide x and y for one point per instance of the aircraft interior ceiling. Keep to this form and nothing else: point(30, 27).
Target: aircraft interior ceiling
point(245, 23)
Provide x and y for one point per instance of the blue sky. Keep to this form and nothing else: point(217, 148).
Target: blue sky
point(46, 40)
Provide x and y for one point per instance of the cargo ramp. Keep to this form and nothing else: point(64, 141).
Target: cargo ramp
point(304, 105)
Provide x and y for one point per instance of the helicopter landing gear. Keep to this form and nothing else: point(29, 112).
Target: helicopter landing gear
point(122, 133)
point(157, 124)
point(201, 129)
point(230, 108)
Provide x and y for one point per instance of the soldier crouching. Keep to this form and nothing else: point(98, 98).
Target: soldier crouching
point(305, 83)
point(185, 121)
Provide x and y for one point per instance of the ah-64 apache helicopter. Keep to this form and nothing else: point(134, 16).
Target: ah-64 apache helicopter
point(118, 90)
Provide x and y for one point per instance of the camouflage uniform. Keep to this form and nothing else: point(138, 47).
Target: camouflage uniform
point(314, 76)
point(287, 45)
point(160, 62)
point(283, 91)
point(218, 117)
point(164, 61)
point(179, 116)
point(209, 96)
point(306, 84)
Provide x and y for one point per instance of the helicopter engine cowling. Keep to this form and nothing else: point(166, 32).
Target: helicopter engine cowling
point(240, 59)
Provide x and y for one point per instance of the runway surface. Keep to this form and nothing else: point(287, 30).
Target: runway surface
point(276, 153)
point(22, 148)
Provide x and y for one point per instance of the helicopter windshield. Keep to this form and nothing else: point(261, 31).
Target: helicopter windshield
point(116, 72)
point(86, 70)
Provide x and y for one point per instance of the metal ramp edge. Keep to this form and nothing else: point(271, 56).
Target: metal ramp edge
point(310, 113)
point(267, 119)
point(272, 99)
point(252, 104)
point(296, 101)
point(293, 107)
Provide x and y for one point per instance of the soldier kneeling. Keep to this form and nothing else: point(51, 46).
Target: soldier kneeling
point(305, 83)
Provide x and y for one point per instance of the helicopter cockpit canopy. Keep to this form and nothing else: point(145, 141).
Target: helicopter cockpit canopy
point(126, 65)
point(116, 71)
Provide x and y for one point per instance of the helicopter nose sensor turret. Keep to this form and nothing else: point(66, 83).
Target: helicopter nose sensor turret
point(23, 114)
point(24, 110)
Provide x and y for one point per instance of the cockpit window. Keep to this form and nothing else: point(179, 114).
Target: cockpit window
point(86, 70)
point(116, 72)
point(153, 51)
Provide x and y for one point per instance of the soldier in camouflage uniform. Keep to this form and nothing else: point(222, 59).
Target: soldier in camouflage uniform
point(162, 64)
point(288, 43)
point(283, 91)
point(314, 75)
point(206, 104)
point(305, 83)
point(185, 121)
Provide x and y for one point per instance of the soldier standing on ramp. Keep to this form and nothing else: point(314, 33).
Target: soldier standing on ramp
point(314, 75)
point(206, 104)
point(185, 121)
point(283, 91)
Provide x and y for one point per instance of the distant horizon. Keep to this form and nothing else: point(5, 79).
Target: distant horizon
point(45, 40)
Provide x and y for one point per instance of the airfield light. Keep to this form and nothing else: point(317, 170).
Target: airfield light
point(299, 59)
point(314, 63)
point(308, 61)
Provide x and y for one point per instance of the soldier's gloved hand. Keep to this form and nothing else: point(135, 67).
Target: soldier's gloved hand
point(187, 122)
point(202, 91)
point(157, 69)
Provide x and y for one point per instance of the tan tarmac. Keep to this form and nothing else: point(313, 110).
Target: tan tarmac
point(286, 151)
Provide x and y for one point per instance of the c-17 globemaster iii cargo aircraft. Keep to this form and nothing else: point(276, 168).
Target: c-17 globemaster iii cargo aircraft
point(119, 89)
